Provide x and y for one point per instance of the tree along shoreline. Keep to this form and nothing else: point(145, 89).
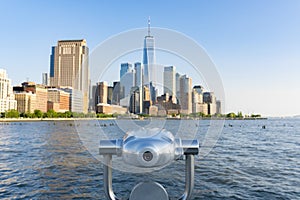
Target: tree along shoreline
point(37, 115)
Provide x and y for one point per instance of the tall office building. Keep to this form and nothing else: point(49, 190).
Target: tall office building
point(138, 74)
point(177, 83)
point(102, 92)
point(92, 89)
point(219, 107)
point(170, 82)
point(134, 103)
point(125, 67)
point(92, 100)
point(116, 93)
point(7, 98)
point(45, 79)
point(186, 94)
point(146, 99)
point(127, 81)
point(197, 101)
point(210, 99)
point(69, 67)
point(148, 57)
point(75, 99)
point(110, 91)
point(139, 79)
point(199, 89)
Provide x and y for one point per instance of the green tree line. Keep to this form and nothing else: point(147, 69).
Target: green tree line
point(69, 114)
point(48, 114)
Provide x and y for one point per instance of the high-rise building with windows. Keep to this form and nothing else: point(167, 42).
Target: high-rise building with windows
point(219, 107)
point(7, 98)
point(197, 100)
point(210, 99)
point(75, 99)
point(186, 94)
point(125, 67)
point(69, 67)
point(102, 92)
point(170, 82)
point(177, 83)
point(45, 79)
point(138, 74)
point(116, 93)
point(139, 82)
point(148, 57)
point(134, 103)
point(127, 81)
point(199, 89)
point(110, 90)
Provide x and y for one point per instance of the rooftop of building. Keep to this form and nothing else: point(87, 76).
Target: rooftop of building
point(79, 40)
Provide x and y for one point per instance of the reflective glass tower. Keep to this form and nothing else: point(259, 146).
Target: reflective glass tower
point(148, 57)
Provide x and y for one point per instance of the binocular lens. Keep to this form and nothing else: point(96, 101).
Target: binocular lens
point(147, 156)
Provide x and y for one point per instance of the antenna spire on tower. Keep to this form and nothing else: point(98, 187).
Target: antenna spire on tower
point(149, 26)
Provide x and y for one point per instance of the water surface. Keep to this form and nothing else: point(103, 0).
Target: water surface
point(43, 160)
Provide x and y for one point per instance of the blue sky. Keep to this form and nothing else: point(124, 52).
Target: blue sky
point(254, 44)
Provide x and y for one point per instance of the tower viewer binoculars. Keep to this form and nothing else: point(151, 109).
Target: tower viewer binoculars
point(149, 148)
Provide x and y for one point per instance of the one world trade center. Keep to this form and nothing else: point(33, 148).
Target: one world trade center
point(149, 60)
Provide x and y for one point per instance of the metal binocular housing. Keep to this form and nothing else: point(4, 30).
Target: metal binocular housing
point(149, 148)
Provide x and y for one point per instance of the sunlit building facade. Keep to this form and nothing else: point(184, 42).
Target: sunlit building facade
point(7, 98)
point(186, 94)
point(69, 67)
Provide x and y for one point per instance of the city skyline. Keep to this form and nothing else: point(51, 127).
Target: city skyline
point(254, 44)
point(136, 88)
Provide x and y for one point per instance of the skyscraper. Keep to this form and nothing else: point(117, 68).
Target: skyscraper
point(116, 93)
point(197, 100)
point(148, 57)
point(219, 107)
point(102, 92)
point(76, 99)
point(177, 80)
point(134, 104)
point(186, 94)
point(170, 82)
point(45, 79)
point(139, 79)
point(138, 74)
point(110, 91)
point(7, 98)
point(210, 99)
point(199, 89)
point(69, 67)
point(125, 67)
point(127, 81)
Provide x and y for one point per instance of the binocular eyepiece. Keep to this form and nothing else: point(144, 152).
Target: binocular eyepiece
point(149, 148)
